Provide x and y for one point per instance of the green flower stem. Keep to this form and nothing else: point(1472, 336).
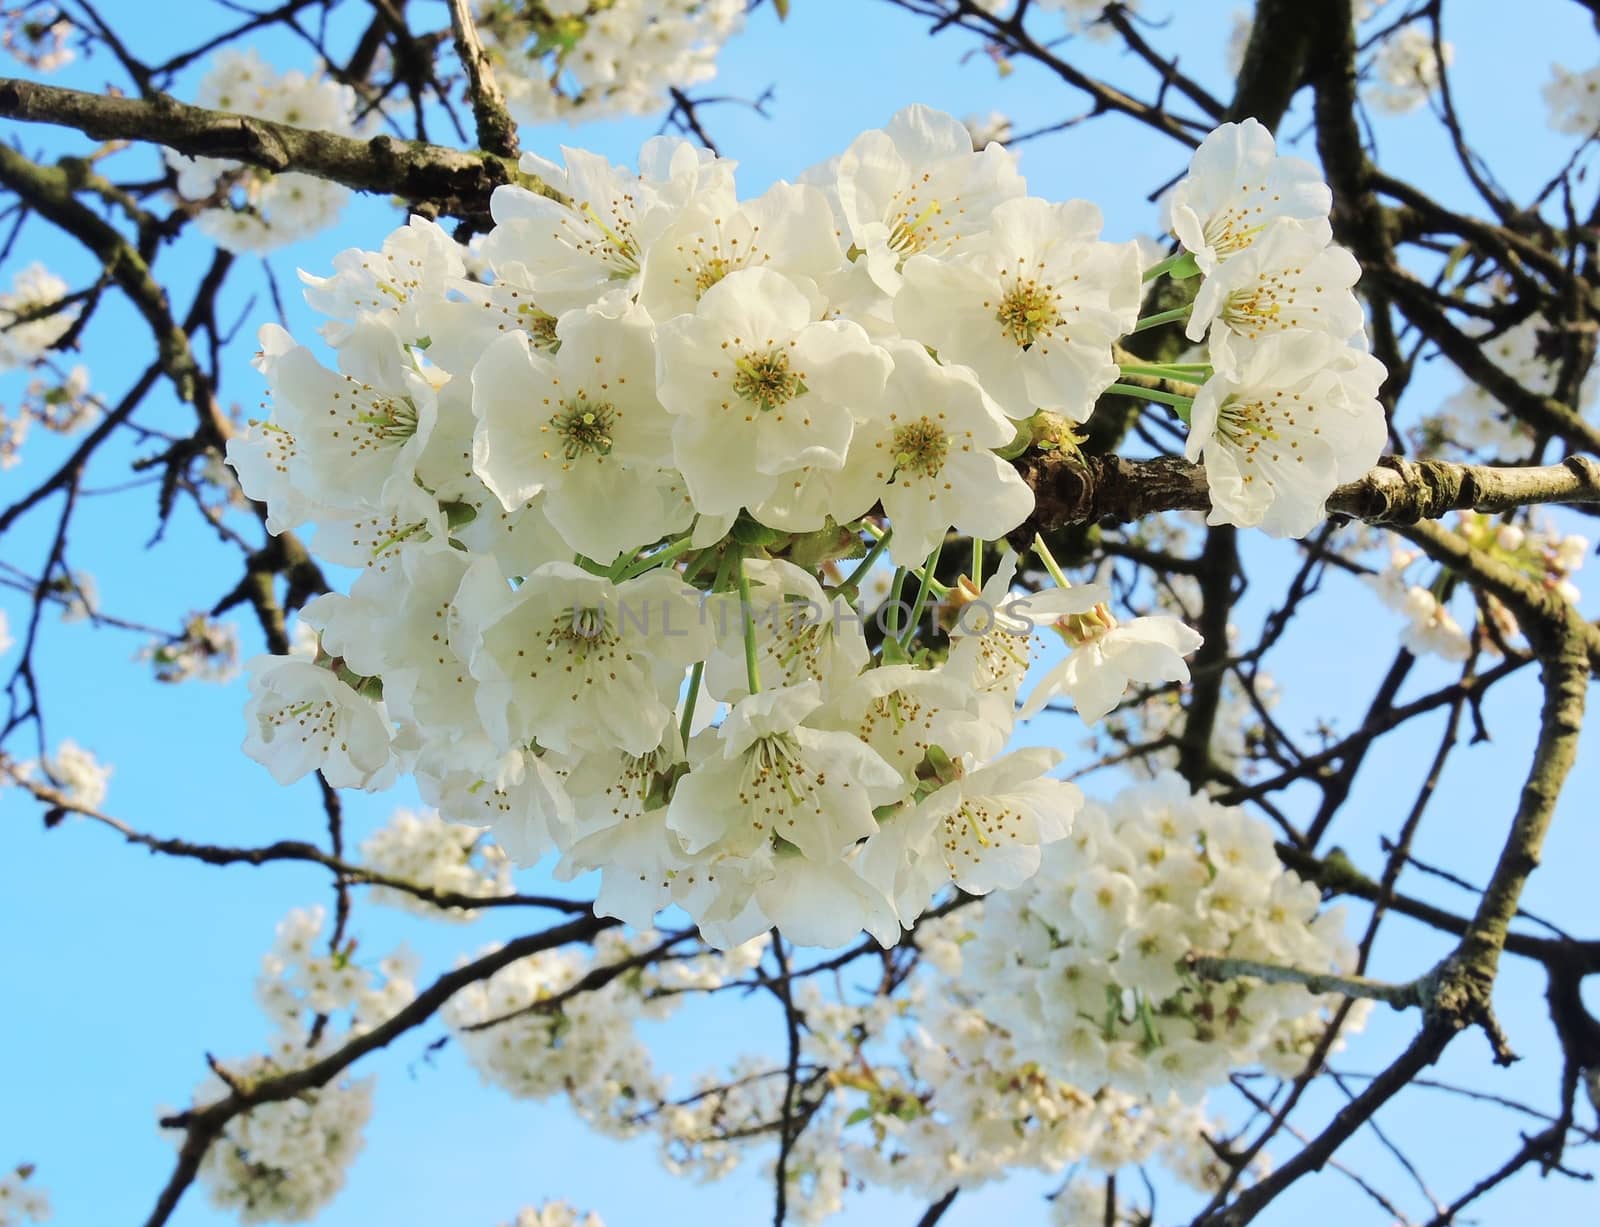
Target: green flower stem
point(922, 595)
point(976, 574)
point(1181, 372)
point(689, 701)
point(1050, 563)
point(751, 668)
point(1181, 403)
point(852, 582)
point(895, 589)
point(1164, 317)
point(1182, 266)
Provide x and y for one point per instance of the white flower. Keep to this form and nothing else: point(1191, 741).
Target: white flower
point(571, 255)
point(584, 428)
point(1238, 186)
point(993, 633)
point(261, 210)
point(397, 285)
point(1286, 281)
point(302, 718)
point(283, 1161)
point(620, 828)
point(1240, 23)
point(1573, 99)
point(516, 794)
point(1034, 312)
point(917, 186)
point(802, 634)
point(28, 324)
point(1300, 417)
point(1107, 656)
point(987, 826)
point(927, 457)
point(1082, 967)
point(766, 774)
point(21, 1202)
point(903, 712)
point(446, 857)
point(1408, 70)
point(576, 661)
point(760, 391)
point(1430, 627)
point(400, 623)
point(788, 229)
point(825, 902)
point(79, 774)
point(992, 128)
point(617, 59)
point(356, 434)
point(554, 1214)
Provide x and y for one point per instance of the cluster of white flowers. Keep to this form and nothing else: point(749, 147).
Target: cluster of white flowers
point(284, 1161)
point(1536, 549)
point(61, 404)
point(922, 1093)
point(445, 857)
point(554, 1214)
point(20, 1201)
point(1292, 409)
point(1087, 967)
point(33, 316)
point(652, 449)
point(78, 774)
point(206, 650)
point(993, 128)
point(532, 1029)
point(249, 209)
point(296, 983)
point(36, 33)
point(974, 1110)
point(1430, 626)
point(1573, 99)
point(1473, 422)
point(587, 59)
point(1081, 15)
point(1059, 1026)
point(1406, 70)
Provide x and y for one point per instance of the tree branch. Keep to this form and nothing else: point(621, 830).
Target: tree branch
point(456, 183)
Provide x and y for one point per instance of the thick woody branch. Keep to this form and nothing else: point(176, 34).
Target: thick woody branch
point(454, 182)
point(49, 192)
point(1080, 489)
point(497, 131)
point(1338, 876)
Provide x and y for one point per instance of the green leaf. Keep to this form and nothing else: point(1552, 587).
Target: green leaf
point(783, 9)
point(747, 531)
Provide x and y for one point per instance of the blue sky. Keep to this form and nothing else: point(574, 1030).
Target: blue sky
point(119, 970)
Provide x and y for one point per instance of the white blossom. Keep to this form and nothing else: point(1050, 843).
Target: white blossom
point(1034, 312)
point(1237, 187)
point(1300, 416)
